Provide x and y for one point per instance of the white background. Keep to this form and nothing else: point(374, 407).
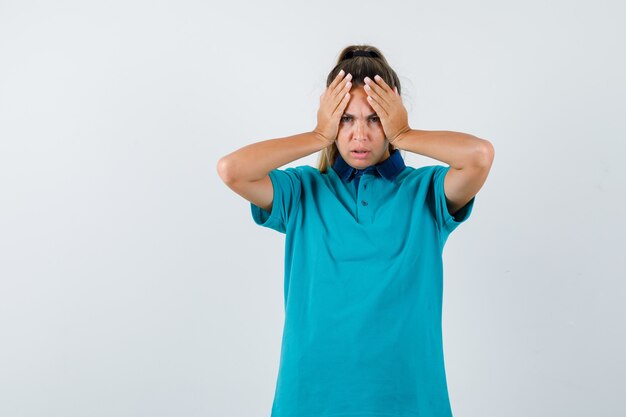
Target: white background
point(133, 282)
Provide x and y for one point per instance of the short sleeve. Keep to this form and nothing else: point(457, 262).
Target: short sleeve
point(446, 221)
point(287, 185)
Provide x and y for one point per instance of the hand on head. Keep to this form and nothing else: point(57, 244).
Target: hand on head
point(388, 106)
point(332, 105)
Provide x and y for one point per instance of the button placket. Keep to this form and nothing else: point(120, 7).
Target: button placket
point(363, 200)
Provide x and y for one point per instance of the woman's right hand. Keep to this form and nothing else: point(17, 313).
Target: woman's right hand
point(332, 104)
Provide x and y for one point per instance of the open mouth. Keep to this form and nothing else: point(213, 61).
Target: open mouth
point(360, 154)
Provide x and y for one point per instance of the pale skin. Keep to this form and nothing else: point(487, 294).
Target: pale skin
point(470, 158)
point(361, 117)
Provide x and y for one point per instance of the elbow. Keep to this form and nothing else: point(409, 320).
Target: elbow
point(224, 169)
point(485, 153)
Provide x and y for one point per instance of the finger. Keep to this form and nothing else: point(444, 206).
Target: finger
point(381, 82)
point(335, 95)
point(343, 103)
point(340, 95)
point(334, 82)
point(377, 92)
point(378, 108)
point(341, 106)
point(380, 87)
point(341, 86)
point(385, 90)
point(332, 87)
point(341, 77)
point(336, 90)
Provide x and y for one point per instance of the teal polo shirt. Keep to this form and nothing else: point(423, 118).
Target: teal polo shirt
point(363, 287)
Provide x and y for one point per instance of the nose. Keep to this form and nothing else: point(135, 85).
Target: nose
point(359, 132)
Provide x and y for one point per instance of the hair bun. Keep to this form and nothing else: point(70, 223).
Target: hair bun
point(358, 52)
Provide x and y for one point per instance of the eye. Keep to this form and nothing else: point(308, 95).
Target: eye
point(375, 118)
point(345, 117)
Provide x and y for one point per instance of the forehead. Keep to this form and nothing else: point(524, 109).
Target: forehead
point(347, 113)
point(359, 106)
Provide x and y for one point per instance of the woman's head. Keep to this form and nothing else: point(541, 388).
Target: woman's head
point(360, 128)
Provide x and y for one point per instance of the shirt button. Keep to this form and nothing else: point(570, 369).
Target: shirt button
point(364, 202)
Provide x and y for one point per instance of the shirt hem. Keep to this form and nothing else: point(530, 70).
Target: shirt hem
point(359, 414)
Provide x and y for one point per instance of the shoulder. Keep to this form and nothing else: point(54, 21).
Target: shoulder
point(422, 174)
point(301, 170)
point(305, 173)
point(300, 177)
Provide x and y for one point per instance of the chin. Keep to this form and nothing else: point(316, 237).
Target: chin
point(362, 163)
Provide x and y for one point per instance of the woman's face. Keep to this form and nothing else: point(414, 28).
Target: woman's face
point(361, 129)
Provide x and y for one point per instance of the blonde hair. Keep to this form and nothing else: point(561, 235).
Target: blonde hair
point(360, 67)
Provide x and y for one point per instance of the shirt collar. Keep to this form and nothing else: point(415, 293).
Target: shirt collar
point(389, 168)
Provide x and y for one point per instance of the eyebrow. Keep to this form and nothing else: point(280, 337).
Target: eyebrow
point(351, 115)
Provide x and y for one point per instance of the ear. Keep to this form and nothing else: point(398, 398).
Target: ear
point(395, 87)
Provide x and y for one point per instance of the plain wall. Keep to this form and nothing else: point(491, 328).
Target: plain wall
point(133, 282)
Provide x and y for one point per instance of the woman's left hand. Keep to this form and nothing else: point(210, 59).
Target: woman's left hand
point(388, 105)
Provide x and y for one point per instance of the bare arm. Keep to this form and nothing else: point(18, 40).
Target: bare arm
point(457, 149)
point(245, 171)
point(470, 159)
point(253, 162)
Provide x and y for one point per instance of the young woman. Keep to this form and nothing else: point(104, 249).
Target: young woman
point(364, 233)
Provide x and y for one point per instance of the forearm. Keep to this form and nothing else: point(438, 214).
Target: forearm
point(454, 148)
point(255, 161)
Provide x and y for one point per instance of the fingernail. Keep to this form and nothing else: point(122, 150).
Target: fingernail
point(341, 72)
